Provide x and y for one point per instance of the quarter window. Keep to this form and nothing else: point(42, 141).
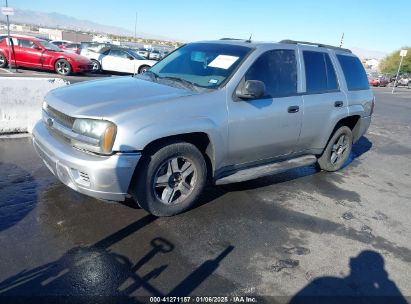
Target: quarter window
point(354, 73)
point(278, 70)
point(319, 72)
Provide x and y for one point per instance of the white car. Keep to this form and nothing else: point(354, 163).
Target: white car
point(119, 60)
point(155, 55)
point(59, 43)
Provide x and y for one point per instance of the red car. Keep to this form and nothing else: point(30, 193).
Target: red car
point(40, 54)
point(378, 81)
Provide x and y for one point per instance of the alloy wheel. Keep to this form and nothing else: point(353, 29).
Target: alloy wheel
point(339, 149)
point(175, 180)
point(63, 67)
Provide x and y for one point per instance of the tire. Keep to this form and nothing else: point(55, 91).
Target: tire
point(143, 68)
point(3, 60)
point(169, 181)
point(62, 67)
point(96, 66)
point(337, 150)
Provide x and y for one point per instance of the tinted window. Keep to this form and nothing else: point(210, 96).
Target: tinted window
point(278, 70)
point(319, 72)
point(354, 73)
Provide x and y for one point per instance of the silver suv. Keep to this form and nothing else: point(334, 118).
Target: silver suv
point(225, 111)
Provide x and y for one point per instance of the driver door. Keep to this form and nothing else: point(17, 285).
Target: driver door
point(268, 127)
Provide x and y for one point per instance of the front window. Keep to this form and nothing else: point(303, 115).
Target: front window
point(49, 46)
point(205, 65)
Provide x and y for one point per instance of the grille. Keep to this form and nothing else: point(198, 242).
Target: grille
point(62, 118)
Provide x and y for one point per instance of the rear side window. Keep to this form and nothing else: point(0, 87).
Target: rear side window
point(278, 70)
point(319, 72)
point(354, 73)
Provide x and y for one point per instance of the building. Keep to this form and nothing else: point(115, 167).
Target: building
point(371, 63)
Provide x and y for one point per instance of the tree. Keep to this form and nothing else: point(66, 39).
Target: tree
point(389, 64)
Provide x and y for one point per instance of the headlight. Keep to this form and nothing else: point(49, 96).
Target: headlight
point(95, 135)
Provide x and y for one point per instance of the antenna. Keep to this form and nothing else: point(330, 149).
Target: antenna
point(249, 39)
point(342, 39)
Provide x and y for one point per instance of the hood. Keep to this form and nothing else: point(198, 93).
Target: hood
point(76, 57)
point(105, 99)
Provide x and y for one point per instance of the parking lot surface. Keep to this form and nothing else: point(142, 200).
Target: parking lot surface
point(302, 232)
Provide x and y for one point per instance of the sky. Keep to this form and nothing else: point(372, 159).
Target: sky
point(374, 25)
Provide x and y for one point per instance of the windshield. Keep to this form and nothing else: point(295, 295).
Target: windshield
point(49, 46)
point(202, 64)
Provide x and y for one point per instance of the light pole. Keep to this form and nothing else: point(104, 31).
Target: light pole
point(403, 53)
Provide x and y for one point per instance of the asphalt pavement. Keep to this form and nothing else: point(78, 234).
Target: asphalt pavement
point(303, 232)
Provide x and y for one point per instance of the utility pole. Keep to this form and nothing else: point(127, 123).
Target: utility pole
point(8, 37)
point(342, 39)
point(135, 28)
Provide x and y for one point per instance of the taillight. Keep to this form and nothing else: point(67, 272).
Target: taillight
point(372, 105)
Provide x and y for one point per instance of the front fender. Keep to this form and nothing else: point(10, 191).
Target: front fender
point(137, 140)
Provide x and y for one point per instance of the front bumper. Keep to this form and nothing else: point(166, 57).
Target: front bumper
point(103, 177)
point(81, 68)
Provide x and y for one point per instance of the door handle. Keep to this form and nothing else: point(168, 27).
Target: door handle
point(338, 104)
point(293, 109)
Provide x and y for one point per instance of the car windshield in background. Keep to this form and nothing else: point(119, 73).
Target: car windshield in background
point(205, 65)
point(49, 46)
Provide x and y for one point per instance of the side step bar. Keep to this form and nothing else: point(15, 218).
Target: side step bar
point(265, 170)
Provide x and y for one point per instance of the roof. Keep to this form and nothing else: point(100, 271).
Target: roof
point(256, 44)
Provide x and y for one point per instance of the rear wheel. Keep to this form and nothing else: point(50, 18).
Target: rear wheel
point(62, 67)
point(170, 180)
point(143, 68)
point(337, 151)
point(3, 61)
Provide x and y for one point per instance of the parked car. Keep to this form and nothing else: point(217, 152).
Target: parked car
point(164, 54)
point(60, 43)
point(226, 110)
point(379, 81)
point(40, 54)
point(154, 55)
point(74, 48)
point(143, 53)
point(119, 60)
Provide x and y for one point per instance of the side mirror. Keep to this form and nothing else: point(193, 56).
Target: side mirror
point(130, 57)
point(37, 48)
point(251, 89)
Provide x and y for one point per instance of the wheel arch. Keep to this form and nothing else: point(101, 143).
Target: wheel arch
point(200, 140)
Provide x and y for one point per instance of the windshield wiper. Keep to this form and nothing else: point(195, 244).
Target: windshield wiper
point(180, 80)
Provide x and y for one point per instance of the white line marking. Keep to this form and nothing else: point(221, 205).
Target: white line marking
point(6, 71)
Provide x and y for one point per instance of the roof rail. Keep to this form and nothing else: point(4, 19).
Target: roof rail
point(316, 44)
point(231, 39)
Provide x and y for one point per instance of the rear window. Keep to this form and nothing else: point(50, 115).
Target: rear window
point(319, 72)
point(354, 73)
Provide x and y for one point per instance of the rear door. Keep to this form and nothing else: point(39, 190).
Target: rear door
point(268, 127)
point(324, 101)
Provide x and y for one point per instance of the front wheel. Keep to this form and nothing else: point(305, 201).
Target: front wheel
point(96, 66)
point(62, 67)
point(170, 180)
point(337, 151)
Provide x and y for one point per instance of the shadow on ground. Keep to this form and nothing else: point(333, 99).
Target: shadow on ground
point(90, 274)
point(367, 282)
